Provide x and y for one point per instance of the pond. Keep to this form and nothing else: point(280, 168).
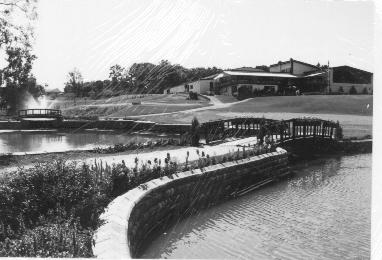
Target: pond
point(321, 212)
point(38, 141)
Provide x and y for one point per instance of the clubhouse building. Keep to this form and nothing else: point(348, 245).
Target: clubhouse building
point(283, 78)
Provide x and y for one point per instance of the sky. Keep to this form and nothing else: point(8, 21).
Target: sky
point(93, 35)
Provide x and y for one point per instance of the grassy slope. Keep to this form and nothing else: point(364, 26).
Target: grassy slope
point(122, 106)
point(344, 104)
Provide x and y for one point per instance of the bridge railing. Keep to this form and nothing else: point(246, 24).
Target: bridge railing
point(277, 131)
point(34, 113)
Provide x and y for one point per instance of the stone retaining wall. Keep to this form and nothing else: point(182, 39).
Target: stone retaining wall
point(132, 218)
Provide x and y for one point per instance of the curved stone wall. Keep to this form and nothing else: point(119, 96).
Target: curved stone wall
point(133, 217)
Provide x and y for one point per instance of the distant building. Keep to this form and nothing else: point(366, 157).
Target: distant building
point(293, 67)
point(201, 86)
point(284, 78)
point(344, 78)
point(177, 89)
point(238, 83)
point(53, 93)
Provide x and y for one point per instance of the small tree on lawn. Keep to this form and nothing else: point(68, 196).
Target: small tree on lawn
point(339, 131)
point(352, 91)
point(195, 132)
point(341, 90)
point(364, 91)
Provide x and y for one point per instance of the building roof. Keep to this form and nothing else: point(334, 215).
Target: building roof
point(285, 62)
point(210, 77)
point(349, 67)
point(257, 74)
point(248, 69)
point(315, 74)
point(55, 90)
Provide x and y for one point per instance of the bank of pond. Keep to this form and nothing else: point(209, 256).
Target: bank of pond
point(53, 208)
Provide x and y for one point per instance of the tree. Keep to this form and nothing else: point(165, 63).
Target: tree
point(195, 132)
point(74, 83)
point(16, 34)
point(116, 73)
point(15, 18)
point(352, 91)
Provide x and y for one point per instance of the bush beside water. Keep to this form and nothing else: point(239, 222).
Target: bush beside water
point(118, 148)
point(52, 209)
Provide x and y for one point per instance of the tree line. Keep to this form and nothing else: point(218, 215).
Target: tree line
point(142, 78)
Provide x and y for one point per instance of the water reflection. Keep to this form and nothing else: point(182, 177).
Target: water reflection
point(322, 212)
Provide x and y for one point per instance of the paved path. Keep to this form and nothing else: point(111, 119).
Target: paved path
point(179, 155)
point(216, 104)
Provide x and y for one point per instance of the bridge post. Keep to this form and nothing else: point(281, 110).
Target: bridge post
point(314, 130)
point(323, 129)
point(293, 129)
point(281, 130)
point(304, 130)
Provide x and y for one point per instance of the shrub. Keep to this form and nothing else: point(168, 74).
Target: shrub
point(6, 159)
point(364, 91)
point(339, 131)
point(352, 91)
point(193, 96)
point(341, 90)
point(195, 132)
point(52, 209)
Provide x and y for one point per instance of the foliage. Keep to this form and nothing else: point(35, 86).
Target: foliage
point(74, 83)
point(16, 48)
point(6, 159)
point(142, 78)
point(341, 90)
point(116, 73)
point(352, 91)
point(118, 148)
point(364, 91)
point(193, 95)
point(52, 209)
point(339, 131)
point(195, 132)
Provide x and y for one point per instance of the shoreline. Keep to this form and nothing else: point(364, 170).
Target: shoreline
point(344, 147)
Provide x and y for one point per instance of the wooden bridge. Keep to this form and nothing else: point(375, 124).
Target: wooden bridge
point(277, 131)
point(53, 114)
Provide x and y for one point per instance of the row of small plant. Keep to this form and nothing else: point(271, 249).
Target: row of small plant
point(52, 209)
point(6, 159)
point(117, 148)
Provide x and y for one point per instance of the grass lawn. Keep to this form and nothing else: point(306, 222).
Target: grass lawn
point(338, 104)
point(350, 111)
point(122, 106)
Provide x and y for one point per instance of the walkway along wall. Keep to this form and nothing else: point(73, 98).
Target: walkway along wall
point(133, 217)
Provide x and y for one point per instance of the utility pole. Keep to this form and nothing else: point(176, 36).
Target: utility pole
point(328, 90)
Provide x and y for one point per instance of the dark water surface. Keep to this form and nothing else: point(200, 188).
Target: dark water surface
point(58, 141)
point(322, 212)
